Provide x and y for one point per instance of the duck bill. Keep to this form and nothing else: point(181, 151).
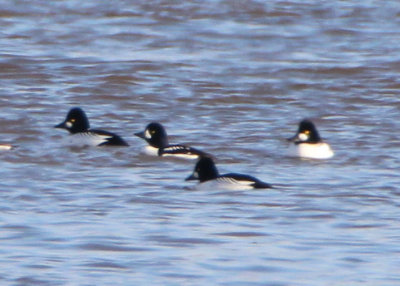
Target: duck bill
point(140, 135)
point(62, 125)
point(293, 138)
point(192, 177)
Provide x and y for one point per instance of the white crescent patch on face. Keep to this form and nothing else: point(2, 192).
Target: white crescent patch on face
point(68, 124)
point(147, 134)
point(303, 137)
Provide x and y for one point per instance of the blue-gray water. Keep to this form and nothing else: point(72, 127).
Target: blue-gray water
point(232, 78)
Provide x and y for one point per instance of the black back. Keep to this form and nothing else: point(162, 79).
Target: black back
point(181, 149)
point(114, 139)
point(257, 184)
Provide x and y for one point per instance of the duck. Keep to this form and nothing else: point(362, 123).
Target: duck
point(158, 145)
point(307, 143)
point(207, 173)
point(77, 124)
point(5, 147)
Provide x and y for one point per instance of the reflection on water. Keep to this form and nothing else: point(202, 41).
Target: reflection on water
point(230, 78)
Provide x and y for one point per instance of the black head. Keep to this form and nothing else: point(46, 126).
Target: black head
point(155, 135)
point(75, 122)
point(306, 133)
point(204, 170)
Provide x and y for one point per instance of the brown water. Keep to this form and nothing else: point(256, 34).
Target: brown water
point(232, 78)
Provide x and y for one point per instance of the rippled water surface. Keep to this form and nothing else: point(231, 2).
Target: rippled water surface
point(232, 78)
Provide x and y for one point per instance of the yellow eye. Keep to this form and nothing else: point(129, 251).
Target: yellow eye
point(307, 132)
point(72, 120)
point(152, 132)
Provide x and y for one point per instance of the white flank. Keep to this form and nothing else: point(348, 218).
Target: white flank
point(86, 139)
point(185, 154)
point(182, 155)
point(225, 184)
point(233, 184)
point(311, 150)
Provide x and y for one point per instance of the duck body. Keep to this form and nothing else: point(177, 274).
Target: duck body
point(319, 150)
point(206, 172)
point(307, 143)
point(81, 135)
point(5, 147)
point(157, 140)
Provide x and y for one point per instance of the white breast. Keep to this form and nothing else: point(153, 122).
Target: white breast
point(150, 150)
point(311, 150)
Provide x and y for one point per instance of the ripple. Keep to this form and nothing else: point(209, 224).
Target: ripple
point(112, 248)
point(181, 241)
point(105, 265)
point(231, 78)
point(242, 234)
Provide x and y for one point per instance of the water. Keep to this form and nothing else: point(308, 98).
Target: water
point(232, 78)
